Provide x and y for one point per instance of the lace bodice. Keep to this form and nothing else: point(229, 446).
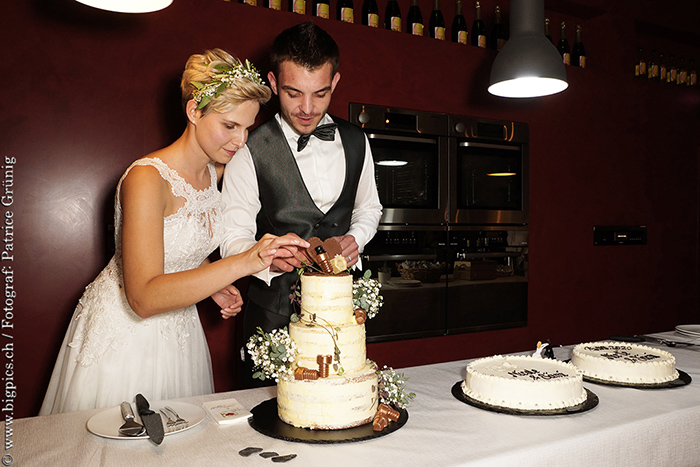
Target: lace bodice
point(190, 235)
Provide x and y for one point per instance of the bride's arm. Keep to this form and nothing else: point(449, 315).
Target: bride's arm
point(144, 198)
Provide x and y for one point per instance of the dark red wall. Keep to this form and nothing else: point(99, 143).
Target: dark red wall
point(87, 92)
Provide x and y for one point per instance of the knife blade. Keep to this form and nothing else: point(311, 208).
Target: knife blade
point(151, 420)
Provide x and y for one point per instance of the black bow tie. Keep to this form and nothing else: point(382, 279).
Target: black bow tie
point(324, 132)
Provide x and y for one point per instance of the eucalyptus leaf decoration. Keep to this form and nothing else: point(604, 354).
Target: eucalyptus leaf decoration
point(224, 77)
point(365, 294)
point(272, 353)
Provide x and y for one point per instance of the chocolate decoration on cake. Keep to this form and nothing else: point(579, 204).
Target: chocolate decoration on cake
point(360, 316)
point(324, 362)
point(380, 422)
point(391, 413)
point(330, 249)
point(302, 373)
point(322, 260)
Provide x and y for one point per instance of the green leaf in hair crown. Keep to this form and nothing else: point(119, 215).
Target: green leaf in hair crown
point(224, 77)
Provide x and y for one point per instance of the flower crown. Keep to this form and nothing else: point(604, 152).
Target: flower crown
point(224, 79)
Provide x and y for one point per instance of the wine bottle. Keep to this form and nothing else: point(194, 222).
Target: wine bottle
point(692, 75)
point(273, 4)
point(297, 6)
point(682, 73)
point(345, 11)
point(478, 28)
point(546, 30)
point(672, 75)
point(640, 68)
point(321, 8)
point(414, 20)
point(662, 68)
point(497, 39)
point(249, 2)
point(653, 67)
point(459, 25)
point(563, 45)
point(392, 16)
point(436, 24)
point(578, 53)
point(370, 13)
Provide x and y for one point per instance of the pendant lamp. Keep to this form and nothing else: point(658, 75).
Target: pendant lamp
point(528, 65)
point(128, 6)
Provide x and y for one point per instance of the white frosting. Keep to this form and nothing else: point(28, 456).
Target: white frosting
point(328, 297)
point(624, 363)
point(313, 340)
point(524, 382)
point(335, 402)
point(332, 403)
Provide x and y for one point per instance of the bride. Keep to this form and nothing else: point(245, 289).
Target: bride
point(136, 327)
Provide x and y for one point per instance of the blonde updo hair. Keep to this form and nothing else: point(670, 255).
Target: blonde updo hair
point(200, 68)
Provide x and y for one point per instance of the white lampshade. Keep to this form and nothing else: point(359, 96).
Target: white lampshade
point(128, 6)
point(528, 65)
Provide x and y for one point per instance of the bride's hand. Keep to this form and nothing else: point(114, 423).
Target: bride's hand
point(286, 248)
point(230, 300)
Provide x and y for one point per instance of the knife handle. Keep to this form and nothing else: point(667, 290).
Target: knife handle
point(127, 412)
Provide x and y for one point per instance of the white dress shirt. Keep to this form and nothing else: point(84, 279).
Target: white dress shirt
point(322, 167)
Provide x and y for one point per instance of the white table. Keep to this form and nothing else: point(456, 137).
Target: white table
point(628, 427)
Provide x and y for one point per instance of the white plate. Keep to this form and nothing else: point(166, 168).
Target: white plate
point(692, 330)
point(107, 422)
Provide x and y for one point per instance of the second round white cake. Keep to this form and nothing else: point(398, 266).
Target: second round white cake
point(523, 382)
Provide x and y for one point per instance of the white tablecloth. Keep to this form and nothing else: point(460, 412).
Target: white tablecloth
point(628, 427)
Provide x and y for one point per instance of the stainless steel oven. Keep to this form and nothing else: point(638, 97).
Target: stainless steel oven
point(410, 152)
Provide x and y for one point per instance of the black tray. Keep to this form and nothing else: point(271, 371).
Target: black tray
point(590, 402)
point(682, 380)
point(266, 421)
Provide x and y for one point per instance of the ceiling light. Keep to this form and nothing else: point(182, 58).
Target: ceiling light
point(128, 6)
point(528, 65)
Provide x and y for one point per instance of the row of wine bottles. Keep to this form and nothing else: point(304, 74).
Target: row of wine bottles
point(571, 56)
point(345, 11)
point(660, 70)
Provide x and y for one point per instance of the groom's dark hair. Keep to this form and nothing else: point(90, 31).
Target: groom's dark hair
point(307, 45)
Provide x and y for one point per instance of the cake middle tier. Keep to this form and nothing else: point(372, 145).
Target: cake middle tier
point(312, 340)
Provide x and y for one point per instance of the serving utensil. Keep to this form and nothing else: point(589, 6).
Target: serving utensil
point(130, 426)
point(150, 419)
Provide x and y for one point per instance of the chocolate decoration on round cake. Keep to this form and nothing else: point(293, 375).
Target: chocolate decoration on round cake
point(266, 421)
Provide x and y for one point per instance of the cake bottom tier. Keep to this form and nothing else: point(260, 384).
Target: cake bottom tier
point(332, 403)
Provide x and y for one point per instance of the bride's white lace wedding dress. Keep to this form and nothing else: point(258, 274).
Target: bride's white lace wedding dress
point(109, 354)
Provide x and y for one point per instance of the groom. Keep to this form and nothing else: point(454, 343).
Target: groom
point(303, 172)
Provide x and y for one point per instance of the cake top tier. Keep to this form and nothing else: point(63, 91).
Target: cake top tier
point(624, 353)
point(329, 298)
point(524, 368)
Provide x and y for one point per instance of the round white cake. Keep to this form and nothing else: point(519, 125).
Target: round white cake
point(348, 396)
point(624, 363)
point(524, 383)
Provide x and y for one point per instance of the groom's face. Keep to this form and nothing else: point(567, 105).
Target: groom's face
point(304, 94)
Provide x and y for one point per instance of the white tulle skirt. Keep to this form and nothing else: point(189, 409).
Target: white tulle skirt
point(109, 354)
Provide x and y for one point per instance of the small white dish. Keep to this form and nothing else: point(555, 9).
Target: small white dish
point(691, 330)
point(106, 423)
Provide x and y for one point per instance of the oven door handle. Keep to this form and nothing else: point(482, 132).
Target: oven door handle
point(487, 145)
point(407, 139)
point(399, 257)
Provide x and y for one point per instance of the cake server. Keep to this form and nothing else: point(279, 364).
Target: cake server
point(151, 420)
point(130, 426)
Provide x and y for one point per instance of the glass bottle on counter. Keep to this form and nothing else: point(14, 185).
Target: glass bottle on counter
point(370, 14)
point(563, 45)
point(321, 8)
point(249, 2)
point(436, 24)
point(273, 4)
point(414, 20)
point(498, 35)
point(459, 25)
point(297, 6)
point(578, 53)
point(392, 16)
point(345, 11)
point(478, 28)
point(546, 30)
